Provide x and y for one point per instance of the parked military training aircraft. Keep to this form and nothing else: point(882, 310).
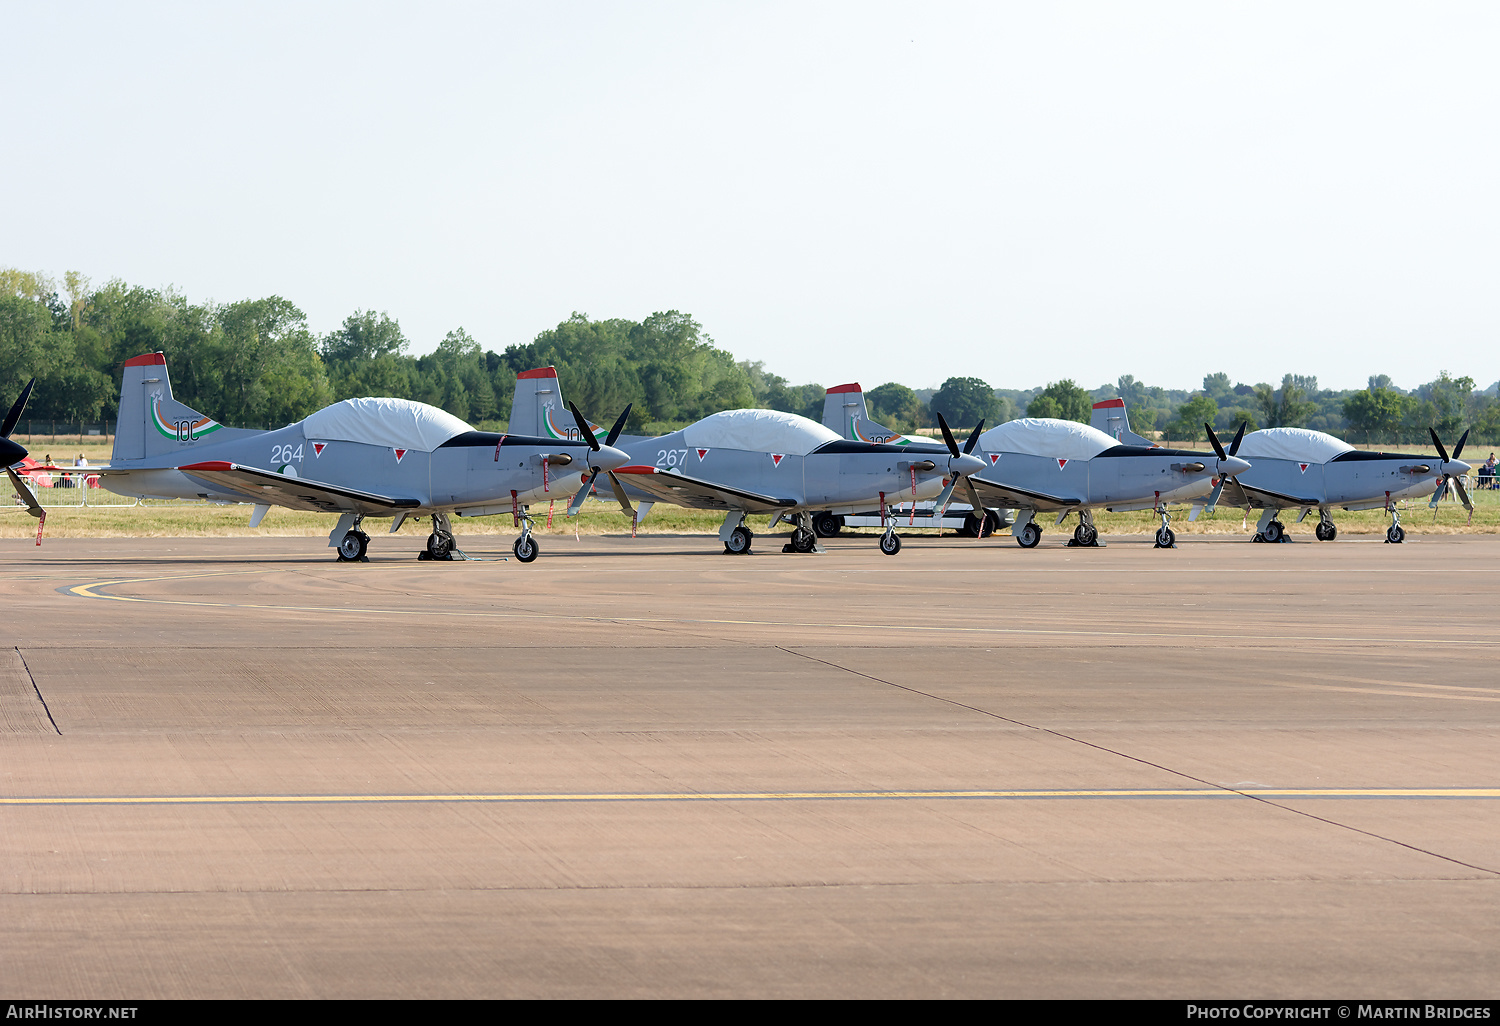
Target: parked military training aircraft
point(1040, 465)
point(358, 458)
point(1294, 468)
point(764, 461)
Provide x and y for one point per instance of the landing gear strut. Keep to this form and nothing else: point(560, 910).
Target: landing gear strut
point(804, 535)
point(1395, 534)
point(353, 545)
point(1085, 535)
point(735, 535)
point(1269, 529)
point(1026, 532)
point(1165, 539)
point(441, 544)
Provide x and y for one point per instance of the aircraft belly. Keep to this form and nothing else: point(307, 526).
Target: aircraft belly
point(151, 484)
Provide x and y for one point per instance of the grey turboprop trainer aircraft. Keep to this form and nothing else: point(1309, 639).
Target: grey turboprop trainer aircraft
point(1042, 466)
point(763, 461)
point(358, 458)
point(1295, 468)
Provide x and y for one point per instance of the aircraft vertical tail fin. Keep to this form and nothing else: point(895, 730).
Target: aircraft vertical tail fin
point(537, 408)
point(845, 413)
point(844, 406)
point(151, 422)
point(1110, 417)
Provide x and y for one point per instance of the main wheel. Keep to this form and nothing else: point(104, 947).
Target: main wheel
point(890, 543)
point(1085, 534)
point(352, 546)
point(1029, 536)
point(803, 541)
point(439, 546)
point(525, 548)
point(739, 542)
point(1325, 531)
point(1165, 539)
point(826, 525)
point(1274, 530)
point(1396, 535)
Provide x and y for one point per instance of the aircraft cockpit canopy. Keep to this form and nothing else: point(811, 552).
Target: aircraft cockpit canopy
point(1290, 443)
point(1043, 436)
point(758, 431)
point(397, 423)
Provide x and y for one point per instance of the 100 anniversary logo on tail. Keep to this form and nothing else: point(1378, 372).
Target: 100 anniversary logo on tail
point(182, 430)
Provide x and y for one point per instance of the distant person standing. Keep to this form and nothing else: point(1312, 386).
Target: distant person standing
point(1487, 472)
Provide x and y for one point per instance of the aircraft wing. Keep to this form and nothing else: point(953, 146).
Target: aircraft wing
point(1010, 495)
point(264, 486)
point(1237, 494)
point(674, 487)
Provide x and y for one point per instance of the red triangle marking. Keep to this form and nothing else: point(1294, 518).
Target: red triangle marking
point(701, 454)
point(1304, 467)
point(399, 453)
point(994, 458)
point(777, 457)
point(1061, 463)
point(318, 448)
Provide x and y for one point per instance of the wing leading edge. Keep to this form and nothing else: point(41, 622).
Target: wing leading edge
point(295, 492)
point(674, 487)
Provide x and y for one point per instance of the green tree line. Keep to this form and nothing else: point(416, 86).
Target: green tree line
point(257, 363)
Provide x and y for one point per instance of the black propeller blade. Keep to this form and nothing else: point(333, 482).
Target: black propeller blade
point(947, 435)
point(20, 407)
point(12, 453)
point(583, 428)
point(614, 432)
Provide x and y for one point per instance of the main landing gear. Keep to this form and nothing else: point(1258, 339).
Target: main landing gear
point(804, 535)
point(1269, 529)
point(735, 535)
point(441, 544)
point(1085, 535)
point(1027, 533)
point(352, 546)
point(1325, 531)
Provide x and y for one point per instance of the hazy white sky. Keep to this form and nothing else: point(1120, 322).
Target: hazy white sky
point(1017, 191)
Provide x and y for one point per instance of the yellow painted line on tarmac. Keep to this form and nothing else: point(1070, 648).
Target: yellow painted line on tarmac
point(758, 796)
point(1271, 632)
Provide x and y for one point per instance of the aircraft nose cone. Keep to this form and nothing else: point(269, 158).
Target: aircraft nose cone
point(609, 458)
point(1232, 465)
point(11, 453)
point(966, 463)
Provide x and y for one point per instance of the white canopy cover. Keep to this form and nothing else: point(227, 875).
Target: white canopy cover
point(758, 431)
point(1042, 436)
point(397, 423)
point(1289, 443)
